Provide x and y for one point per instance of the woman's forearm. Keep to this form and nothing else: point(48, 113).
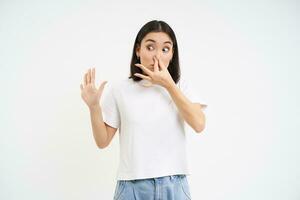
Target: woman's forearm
point(190, 112)
point(98, 126)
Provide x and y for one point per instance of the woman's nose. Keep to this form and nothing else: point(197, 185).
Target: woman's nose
point(156, 56)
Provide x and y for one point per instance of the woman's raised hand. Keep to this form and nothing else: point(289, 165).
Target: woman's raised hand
point(89, 93)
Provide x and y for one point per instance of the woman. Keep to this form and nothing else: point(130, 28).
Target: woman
point(149, 108)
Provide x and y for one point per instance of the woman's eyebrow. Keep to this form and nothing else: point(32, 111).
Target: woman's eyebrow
point(150, 40)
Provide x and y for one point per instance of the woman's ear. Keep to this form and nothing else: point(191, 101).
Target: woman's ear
point(137, 51)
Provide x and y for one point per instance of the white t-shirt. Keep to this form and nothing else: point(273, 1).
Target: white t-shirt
point(151, 131)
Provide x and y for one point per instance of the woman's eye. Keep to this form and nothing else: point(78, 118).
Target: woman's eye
point(149, 47)
point(167, 49)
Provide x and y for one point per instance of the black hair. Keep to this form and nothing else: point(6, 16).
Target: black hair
point(155, 26)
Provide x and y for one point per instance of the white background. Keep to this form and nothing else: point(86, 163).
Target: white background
point(242, 56)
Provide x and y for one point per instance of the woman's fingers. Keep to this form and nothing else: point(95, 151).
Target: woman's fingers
point(160, 64)
point(93, 76)
point(143, 76)
point(89, 76)
point(85, 79)
point(156, 67)
point(145, 69)
point(102, 85)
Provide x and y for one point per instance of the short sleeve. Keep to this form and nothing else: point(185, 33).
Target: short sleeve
point(191, 93)
point(109, 106)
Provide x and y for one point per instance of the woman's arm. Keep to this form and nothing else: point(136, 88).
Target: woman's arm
point(102, 132)
point(191, 112)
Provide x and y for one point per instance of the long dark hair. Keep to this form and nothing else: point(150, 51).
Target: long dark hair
point(155, 26)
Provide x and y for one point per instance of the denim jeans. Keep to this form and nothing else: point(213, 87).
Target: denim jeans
point(174, 187)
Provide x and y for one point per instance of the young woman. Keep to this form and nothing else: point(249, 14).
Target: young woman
point(149, 108)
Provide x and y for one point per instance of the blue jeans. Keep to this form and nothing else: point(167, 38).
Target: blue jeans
point(174, 187)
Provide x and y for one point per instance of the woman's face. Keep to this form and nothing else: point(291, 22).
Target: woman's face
point(157, 44)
